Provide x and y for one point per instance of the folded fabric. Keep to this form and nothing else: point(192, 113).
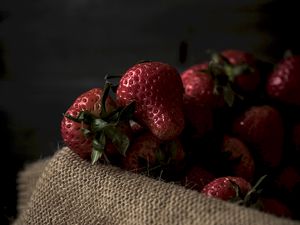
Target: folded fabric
point(68, 190)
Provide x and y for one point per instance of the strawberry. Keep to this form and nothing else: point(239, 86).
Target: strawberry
point(227, 188)
point(288, 179)
point(262, 128)
point(275, 207)
point(93, 123)
point(197, 177)
point(238, 158)
point(198, 86)
point(147, 153)
point(283, 82)
point(199, 119)
point(156, 89)
point(241, 68)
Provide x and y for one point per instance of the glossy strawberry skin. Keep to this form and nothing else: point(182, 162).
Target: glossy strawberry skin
point(283, 83)
point(198, 86)
point(262, 128)
point(239, 159)
point(245, 82)
point(144, 153)
point(157, 90)
point(71, 131)
point(223, 187)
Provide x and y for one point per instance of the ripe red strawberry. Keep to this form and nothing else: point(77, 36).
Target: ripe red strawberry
point(199, 86)
point(196, 178)
point(147, 153)
point(238, 158)
point(86, 127)
point(283, 83)
point(227, 188)
point(157, 90)
point(275, 207)
point(288, 179)
point(199, 119)
point(262, 128)
point(245, 78)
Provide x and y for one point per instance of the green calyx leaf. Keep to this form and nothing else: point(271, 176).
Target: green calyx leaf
point(95, 156)
point(232, 71)
point(83, 116)
point(238, 198)
point(229, 95)
point(166, 153)
point(98, 147)
point(119, 139)
point(98, 124)
point(160, 156)
point(105, 126)
point(251, 199)
point(127, 112)
point(122, 114)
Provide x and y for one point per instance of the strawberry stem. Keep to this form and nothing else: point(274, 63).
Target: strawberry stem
point(105, 94)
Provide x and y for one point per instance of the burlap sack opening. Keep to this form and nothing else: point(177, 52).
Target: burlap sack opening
point(72, 191)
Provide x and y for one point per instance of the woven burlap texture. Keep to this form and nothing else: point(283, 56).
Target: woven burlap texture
point(26, 181)
point(72, 191)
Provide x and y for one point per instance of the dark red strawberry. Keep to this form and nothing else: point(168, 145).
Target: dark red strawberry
point(227, 188)
point(199, 119)
point(199, 99)
point(157, 90)
point(199, 86)
point(275, 207)
point(283, 83)
point(148, 153)
point(288, 179)
point(262, 128)
point(238, 158)
point(242, 69)
point(93, 123)
point(196, 178)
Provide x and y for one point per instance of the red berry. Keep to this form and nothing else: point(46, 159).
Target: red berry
point(238, 158)
point(71, 130)
point(262, 128)
point(283, 83)
point(199, 86)
point(157, 90)
point(245, 81)
point(147, 152)
point(225, 188)
point(90, 129)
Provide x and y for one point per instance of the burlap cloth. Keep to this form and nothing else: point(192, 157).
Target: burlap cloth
point(71, 191)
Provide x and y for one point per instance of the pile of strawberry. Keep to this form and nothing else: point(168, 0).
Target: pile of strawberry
point(228, 127)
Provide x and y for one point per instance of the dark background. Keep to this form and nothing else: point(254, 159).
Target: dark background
point(52, 51)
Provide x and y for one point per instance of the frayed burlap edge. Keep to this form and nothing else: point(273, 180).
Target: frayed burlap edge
point(72, 191)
